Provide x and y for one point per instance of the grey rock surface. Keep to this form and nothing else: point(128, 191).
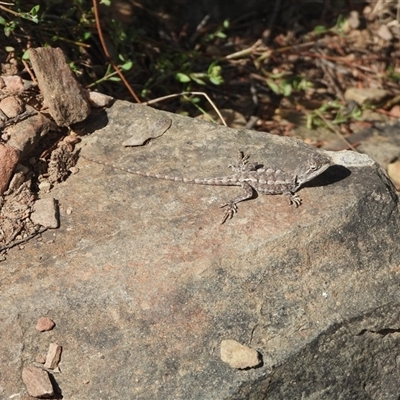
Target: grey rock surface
point(144, 284)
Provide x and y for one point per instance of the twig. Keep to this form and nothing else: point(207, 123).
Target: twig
point(332, 128)
point(31, 74)
point(331, 79)
point(258, 49)
point(17, 242)
point(170, 96)
point(17, 14)
point(271, 21)
point(199, 27)
point(106, 52)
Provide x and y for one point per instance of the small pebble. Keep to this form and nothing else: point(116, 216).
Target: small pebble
point(45, 324)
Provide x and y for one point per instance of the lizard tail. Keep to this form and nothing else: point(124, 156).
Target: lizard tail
point(199, 181)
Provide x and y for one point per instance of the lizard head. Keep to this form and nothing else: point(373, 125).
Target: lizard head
point(315, 165)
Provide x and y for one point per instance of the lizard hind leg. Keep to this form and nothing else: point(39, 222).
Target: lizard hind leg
point(243, 164)
point(231, 209)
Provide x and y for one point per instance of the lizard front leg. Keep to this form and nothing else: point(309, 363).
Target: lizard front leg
point(232, 205)
point(293, 199)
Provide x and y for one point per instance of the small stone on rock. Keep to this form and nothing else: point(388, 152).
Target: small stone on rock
point(394, 173)
point(37, 382)
point(11, 107)
point(13, 83)
point(384, 33)
point(366, 95)
point(45, 186)
point(53, 356)
point(354, 19)
point(239, 356)
point(45, 213)
point(99, 100)
point(45, 324)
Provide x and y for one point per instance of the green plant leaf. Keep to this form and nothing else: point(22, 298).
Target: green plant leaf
point(197, 80)
point(127, 66)
point(182, 77)
point(320, 29)
point(287, 89)
point(35, 10)
point(216, 80)
point(273, 86)
point(25, 56)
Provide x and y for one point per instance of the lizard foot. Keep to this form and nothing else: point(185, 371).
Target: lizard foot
point(294, 199)
point(230, 211)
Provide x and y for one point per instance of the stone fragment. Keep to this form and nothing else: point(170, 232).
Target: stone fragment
point(45, 324)
point(239, 356)
point(8, 161)
point(393, 170)
point(25, 135)
point(99, 100)
point(16, 181)
point(45, 213)
point(366, 95)
point(11, 107)
point(44, 186)
point(37, 382)
point(354, 19)
point(65, 98)
point(12, 83)
point(53, 356)
point(384, 33)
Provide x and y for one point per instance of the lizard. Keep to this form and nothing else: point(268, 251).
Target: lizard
point(251, 177)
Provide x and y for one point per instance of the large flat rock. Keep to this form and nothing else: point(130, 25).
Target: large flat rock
point(144, 283)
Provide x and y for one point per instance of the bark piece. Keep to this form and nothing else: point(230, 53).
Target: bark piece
point(37, 382)
point(65, 98)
